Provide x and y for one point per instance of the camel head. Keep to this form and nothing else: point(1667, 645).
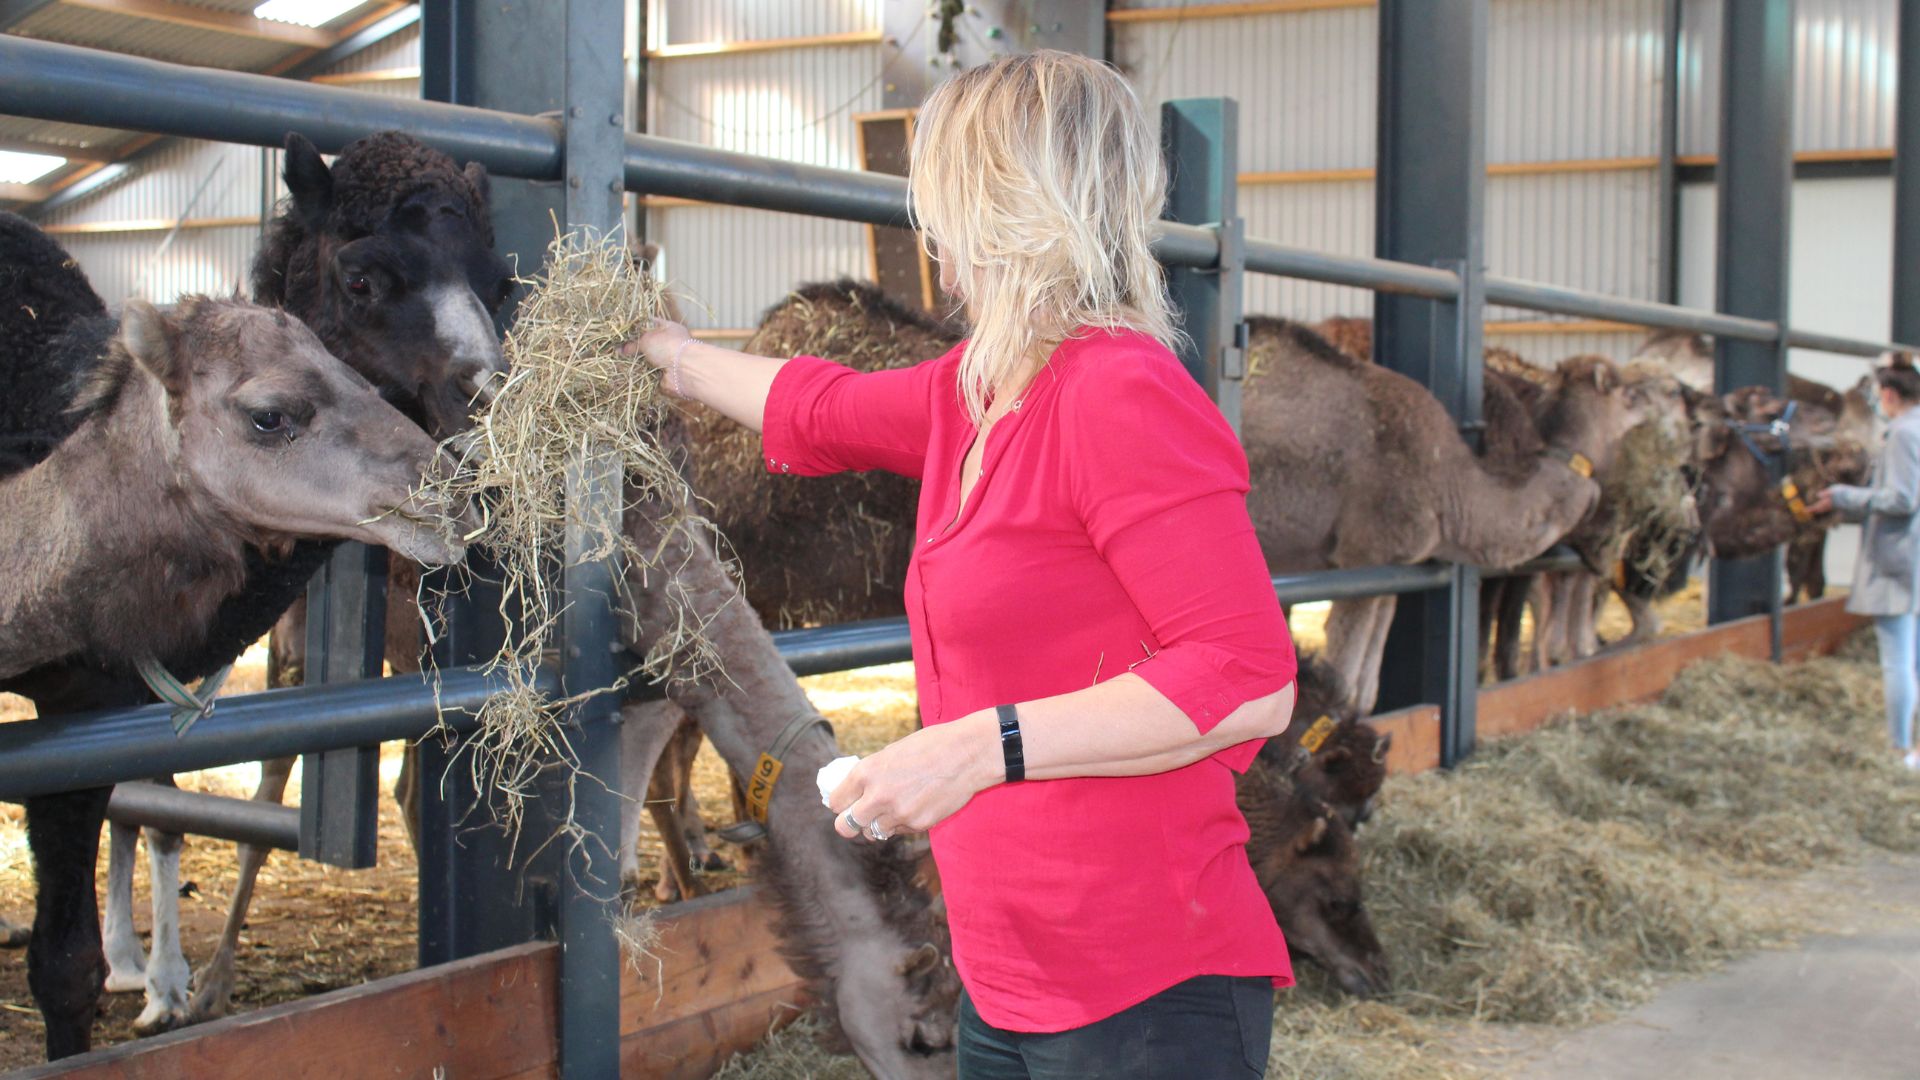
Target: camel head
point(1742, 507)
point(388, 255)
point(1312, 879)
point(272, 433)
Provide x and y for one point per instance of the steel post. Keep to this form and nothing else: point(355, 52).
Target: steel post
point(591, 652)
point(1667, 182)
point(1755, 180)
point(1429, 196)
point(346, 641)
point(1906, 181)
point(1200, 138)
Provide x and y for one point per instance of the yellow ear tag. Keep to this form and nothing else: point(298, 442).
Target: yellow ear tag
point(1581, 464)
point(1790, 491)
point(1316, 736)
point(766, 772)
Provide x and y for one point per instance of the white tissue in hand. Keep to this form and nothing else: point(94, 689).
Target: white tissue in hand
point(832, 773)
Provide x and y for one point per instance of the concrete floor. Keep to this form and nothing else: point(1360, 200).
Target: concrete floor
point(1844, 1003)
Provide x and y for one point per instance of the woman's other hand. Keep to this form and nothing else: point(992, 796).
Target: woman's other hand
point(919, 781)
point(1821, 502)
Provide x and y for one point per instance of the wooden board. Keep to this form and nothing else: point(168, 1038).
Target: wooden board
point(1416, 738)
point(1643, 672)
point(721, 986)
point(479, 1019)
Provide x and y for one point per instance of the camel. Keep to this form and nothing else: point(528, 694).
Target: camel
point(387, 255)
point(226, 431)
point(853, 920)
point(371, 253)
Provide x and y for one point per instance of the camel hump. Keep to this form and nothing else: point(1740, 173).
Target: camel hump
point(42, 289)
point(44, 297)
point(853, 323)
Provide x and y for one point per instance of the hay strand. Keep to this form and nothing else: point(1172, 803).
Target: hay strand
point(568, 396)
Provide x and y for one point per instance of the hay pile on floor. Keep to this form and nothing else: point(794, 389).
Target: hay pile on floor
point(1560, 875)
point(568, 395)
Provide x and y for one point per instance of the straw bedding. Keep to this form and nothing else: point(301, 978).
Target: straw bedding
point(567, 394)
point(1560, 875)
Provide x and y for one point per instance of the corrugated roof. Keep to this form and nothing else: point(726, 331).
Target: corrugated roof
point(94, 26)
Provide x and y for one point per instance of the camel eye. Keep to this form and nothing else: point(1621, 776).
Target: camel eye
point(359, 286)
point(271, 422)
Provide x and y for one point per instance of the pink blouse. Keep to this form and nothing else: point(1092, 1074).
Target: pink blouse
point(1108, 532)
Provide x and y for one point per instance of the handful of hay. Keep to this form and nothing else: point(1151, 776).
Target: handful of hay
point(568, 397)
point(1653, 503)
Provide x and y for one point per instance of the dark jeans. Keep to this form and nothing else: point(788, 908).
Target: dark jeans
point(1212, 1027)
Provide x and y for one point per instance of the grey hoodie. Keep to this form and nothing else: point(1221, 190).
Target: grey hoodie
point(1884, 575)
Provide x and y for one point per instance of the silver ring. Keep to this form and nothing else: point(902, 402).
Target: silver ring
point(873, 830)
point(851, 820)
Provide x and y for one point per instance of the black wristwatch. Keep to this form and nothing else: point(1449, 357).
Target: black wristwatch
point(1011, 749)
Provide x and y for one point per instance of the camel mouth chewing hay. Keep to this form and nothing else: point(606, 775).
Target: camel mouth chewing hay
point(567, 396)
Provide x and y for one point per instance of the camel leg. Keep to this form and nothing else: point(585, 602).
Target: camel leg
point(1348, 630)
point(1492, 592)
point(168, 976)
point(1584, 638)
point(1540, 597)
point(1559, 630)
point(1375, 652)
point(66, 967)
point(646, 727)
point(665, 788)
point(126, 960)
point(213, 985)
point(691, 823)
point(1513, 606)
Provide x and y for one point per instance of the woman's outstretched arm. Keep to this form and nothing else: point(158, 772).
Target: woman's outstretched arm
point(733, 383)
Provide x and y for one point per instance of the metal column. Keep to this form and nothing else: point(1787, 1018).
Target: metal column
point(591, 657)
point(346, 640)
point(1906, 180)
point(1667, 230)
point(1755, 179)
point(1200, 138)
point(1429, 196)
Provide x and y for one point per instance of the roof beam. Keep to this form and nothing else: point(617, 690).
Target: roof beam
point(14, 12)
point(22, 192)
point(71, 153)
point(225, 22)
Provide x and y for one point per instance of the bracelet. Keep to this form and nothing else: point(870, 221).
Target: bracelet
point(674, 386)
point(1011, 748)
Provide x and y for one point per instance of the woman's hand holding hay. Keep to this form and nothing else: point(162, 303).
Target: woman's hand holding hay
point(734, 383)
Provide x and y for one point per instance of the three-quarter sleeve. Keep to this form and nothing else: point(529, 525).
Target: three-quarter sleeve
point(824, 418)
point(1160, 482)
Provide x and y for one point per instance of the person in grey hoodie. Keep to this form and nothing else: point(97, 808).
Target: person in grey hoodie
point(1886, 576)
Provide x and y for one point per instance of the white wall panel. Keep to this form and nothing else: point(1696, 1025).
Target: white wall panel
point(794, 104)
point(1844, 74)
point(682, 22)
point(1304, 81)
point(1573, 79)
point(1583, 230)
point(1333, 217)
point(732, 264)
point(1547, 350)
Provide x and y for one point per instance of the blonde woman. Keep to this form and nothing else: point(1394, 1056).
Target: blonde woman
point(1096, 644)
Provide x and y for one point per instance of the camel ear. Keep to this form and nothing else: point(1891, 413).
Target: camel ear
point(308, 180)
point(476, 175)
point(1311, 836)
point(1380, 748)
point(1604, 379)
point(919, 961)
point(149, 339)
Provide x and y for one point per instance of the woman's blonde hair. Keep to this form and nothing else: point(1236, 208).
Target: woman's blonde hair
point(1037, 181)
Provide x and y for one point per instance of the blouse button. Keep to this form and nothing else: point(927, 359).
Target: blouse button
point(784, 467)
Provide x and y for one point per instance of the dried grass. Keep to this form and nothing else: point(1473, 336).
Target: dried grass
point(1654, 515)
point(1561, 875)
point(568, 396)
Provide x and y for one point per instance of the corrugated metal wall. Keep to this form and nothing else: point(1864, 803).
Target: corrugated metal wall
point(1844, 75)
point(1568, 81)
point(158, 264)
point(796, 104)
